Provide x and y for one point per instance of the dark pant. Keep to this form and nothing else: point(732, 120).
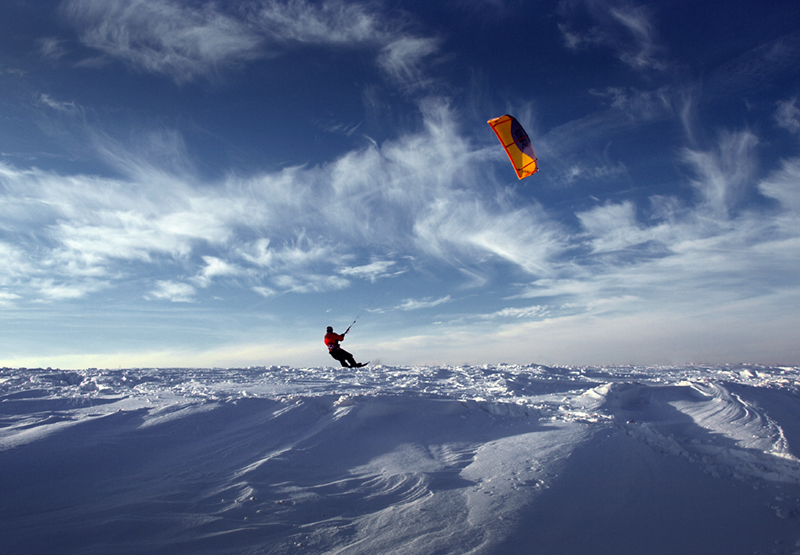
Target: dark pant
point(344, 357)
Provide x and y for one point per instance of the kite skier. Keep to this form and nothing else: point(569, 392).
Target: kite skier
point(346, 359)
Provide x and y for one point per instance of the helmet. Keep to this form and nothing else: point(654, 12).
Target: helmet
point(330, 329)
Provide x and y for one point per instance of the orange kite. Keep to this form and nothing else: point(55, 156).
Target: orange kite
point(517, 144)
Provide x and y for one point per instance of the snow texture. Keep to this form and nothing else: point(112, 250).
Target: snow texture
point(422, 460)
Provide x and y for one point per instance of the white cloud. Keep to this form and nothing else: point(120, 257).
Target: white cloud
point(16, 262)
point(214, 268)
point(319, 23)
point(91, 222)
point(401, 59)
point(163, 36)
point(50, 289)
point(266, 292)
point(83, 227)
point(372, 271)
point(60, 106)
point(580, 170)
point(155, 155)
point(51, 48)
point(428, 194)
point(640, 106)
point(7, 299)
point(200, 40)
point(644, 52)
point(420, 193)
point(755, 67)
point(613, 227)
point(691, 256)
point(301, 252)
point(569, 147)
point(332, 22)
point(173, 291)
point(535, 311)
point(788, 115)
point(784, 186)
point(460, 224)
point(310, 283)
point(620, 26)
point(418, 304)
point(724, 174)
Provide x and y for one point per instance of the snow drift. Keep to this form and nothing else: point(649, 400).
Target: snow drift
point(490, 460)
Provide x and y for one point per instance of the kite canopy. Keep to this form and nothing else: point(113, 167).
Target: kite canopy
point(517, 144)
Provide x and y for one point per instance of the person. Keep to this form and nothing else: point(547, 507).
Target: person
point(332, 341)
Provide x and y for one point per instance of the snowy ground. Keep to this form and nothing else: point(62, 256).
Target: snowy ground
point(423, 460)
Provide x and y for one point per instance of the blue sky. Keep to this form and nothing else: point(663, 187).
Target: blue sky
point(191, 183)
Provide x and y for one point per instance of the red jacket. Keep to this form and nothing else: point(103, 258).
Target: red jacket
point(332, 340)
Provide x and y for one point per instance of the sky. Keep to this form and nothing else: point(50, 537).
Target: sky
point(203, 184)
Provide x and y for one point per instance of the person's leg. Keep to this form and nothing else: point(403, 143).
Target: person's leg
point(342, 356)
point(347, 357)
point(335, 354)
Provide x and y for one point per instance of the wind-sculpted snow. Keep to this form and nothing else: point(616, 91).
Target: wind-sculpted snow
point(491, 459)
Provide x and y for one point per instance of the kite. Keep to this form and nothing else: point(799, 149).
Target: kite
point(517, 144)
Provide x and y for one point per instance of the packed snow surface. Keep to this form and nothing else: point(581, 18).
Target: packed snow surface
point(419, 460)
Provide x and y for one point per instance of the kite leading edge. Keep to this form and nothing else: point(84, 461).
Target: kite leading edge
point(517, 144)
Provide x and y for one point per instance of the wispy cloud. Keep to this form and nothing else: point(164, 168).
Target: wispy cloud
point(750, 70)
point(265, 292)
point(51, 48)
point(310, 283)
point(422, 192)
point(418, 304)
point(457, 225)
point(215, 268)
point(631, 215)
point(401, 59)
point(621, 26)
point(639, 106)
point(429, 193)
point(576, 149)
point(299, 252)
point(692, 254)
point(644, 52)
point(527, 312)
point(580, 170)
point(52, 289)
point(372, 271)
point(782, 186)
point(613, 227)
point(173, 291)
point(16, 261)
point(202, 40)
point(163, 36)
point(7, 299)
point(723, 175)
point(787, 115)
point(60, 106)
point(400, 53)
point(330, 22)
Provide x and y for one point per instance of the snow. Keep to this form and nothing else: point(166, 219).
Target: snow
point(419, 460)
